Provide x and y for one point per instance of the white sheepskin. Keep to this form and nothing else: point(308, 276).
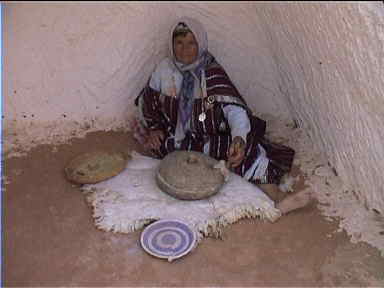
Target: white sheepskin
point(131, 200)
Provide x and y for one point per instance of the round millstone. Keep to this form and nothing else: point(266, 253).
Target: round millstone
point(189, 175)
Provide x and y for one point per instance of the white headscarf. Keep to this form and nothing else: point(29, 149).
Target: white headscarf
point(201, 38)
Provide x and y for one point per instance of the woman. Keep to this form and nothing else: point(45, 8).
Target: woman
point(190, 103)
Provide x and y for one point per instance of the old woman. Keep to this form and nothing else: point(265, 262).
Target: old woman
point(190, 103)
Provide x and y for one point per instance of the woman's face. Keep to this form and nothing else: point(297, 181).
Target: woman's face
point(185, 48)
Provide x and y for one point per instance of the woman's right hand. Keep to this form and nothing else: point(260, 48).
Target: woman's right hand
point(154, 139)
point(236, 153)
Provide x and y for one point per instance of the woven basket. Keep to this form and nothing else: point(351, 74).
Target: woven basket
point(97, 166)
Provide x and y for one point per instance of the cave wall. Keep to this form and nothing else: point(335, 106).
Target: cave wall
point(71, 68)
point(330, 62)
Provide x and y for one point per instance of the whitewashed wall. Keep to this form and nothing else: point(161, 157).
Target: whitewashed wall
point(330, 62)
point(76, 67)
point(70, 68)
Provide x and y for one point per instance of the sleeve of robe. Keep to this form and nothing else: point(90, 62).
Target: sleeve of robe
point(149, 104)
point(238, 121)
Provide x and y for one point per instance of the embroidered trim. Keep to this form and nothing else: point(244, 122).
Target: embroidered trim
point(224, 98)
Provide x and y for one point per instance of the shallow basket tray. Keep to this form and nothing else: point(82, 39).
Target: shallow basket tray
point(168, 239)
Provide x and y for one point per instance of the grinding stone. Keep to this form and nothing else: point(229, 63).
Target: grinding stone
point(189, 175)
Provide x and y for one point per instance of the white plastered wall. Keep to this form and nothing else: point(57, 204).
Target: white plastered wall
point(330, 62)
point(70, 68)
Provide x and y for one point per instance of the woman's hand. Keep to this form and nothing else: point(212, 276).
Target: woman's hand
point(154, 139)
point(236, 152)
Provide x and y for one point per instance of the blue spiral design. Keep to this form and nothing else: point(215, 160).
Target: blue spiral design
point(167, 238)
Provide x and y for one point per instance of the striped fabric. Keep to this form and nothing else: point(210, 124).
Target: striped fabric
point(159, 111)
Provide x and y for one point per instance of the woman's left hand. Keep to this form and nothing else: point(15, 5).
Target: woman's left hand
point(236, 153)
point(155, 139)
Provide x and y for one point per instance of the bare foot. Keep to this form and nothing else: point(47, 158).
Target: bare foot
point(295, 201)
point(272, 191)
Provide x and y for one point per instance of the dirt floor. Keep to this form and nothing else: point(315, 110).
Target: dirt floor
point(49, 238)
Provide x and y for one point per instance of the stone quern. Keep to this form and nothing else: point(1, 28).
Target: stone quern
point(189, 175)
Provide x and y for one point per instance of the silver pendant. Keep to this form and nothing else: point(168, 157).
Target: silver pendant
point(222, 127)
point(202, 117)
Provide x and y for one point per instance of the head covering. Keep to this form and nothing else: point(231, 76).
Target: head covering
point(192, 73)
point(201, 38)
point(181, 27)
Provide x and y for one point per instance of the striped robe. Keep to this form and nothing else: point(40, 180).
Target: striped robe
point(159, 111)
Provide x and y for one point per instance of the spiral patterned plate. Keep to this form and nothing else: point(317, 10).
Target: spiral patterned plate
point(168, 238)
